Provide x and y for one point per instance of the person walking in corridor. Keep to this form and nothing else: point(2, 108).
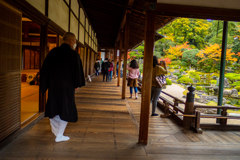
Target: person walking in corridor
point(155, 91)
point(105, 67)
point(133, 73)
point(110, 71)
point(62, 74)
point(97, 67)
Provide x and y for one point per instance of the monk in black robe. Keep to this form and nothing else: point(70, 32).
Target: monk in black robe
point(62, 74)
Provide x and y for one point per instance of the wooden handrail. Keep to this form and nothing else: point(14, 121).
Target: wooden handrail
point(210, 116)
point(218, 107)
point(173, 97)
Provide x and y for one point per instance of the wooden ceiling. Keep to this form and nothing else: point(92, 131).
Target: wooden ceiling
point(106, 17)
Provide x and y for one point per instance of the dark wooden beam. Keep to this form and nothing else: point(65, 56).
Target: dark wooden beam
point(46, 7)
point(194, 11)
point(123, 21)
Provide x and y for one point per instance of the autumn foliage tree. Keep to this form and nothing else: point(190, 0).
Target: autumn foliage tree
point(177, 51)
point(211, 57)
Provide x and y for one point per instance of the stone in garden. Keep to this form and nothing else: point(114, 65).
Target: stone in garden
point(227, 93)
point(173, 81)
point(226, 84)
point(234, 95)
point(214, 77)
point(211, 111)
point(234, 91)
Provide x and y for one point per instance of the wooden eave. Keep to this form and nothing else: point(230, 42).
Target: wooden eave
point(107, 19)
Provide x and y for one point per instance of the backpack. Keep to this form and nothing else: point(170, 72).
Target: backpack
point(105, 66)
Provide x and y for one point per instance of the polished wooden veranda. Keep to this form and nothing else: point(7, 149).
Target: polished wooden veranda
point(108, 129)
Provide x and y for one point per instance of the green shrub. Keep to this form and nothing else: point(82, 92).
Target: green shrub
point(237, 88)
point(236, 83)
point(232, 76)
point(213, 81)
point(185, 68)
point(199, 88)
point(180, 76)
point(185, 80)
point(194, 75)
point(181, 70)
point(176, 67)
point(169, 82)
point(177, 74)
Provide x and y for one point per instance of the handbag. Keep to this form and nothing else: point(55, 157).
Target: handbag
point(161, 80)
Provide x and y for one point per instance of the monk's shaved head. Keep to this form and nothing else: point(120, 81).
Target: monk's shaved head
point(68, 35)
point(70, 39)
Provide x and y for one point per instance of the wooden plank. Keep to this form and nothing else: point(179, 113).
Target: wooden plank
point(147, 72)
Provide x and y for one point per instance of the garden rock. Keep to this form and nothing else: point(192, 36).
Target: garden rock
point(173, 81)
point(227, 93)
point(234, 91)
point(226, 84)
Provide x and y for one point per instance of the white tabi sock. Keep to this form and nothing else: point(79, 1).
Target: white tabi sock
point(55, 122)
point(60, 137)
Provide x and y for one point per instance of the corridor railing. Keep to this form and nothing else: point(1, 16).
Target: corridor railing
point(188, 114)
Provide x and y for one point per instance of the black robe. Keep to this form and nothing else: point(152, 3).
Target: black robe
point(61, 73)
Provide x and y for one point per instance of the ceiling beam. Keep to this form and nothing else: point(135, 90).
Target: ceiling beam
point(123, 21)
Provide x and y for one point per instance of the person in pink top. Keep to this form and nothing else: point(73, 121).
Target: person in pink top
point(110, 70)
point(133, 75)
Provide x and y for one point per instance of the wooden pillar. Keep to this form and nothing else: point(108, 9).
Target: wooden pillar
point(43, 54)
point(120, 58)
point(126, 43)
point(115, 63)
point(147, 74)
point(222, 66)
point(88, 60)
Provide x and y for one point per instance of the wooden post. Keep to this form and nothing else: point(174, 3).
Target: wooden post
point(126, 43)
point(189, 108)
point(222, 66)
point(43, 54)
point(147, 74)
point(120, 58)
point(115, 63)
point(88, 60)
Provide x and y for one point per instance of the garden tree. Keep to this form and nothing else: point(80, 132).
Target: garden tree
point(177, 51)
point(161, 46)
point(216, 31)
point(211, 57)
point(137, 55)
point(187, 30)
point(167, 60)
point(189, 58)
point(236, 44)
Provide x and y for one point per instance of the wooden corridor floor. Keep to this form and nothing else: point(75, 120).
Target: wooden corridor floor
point(108, 129)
